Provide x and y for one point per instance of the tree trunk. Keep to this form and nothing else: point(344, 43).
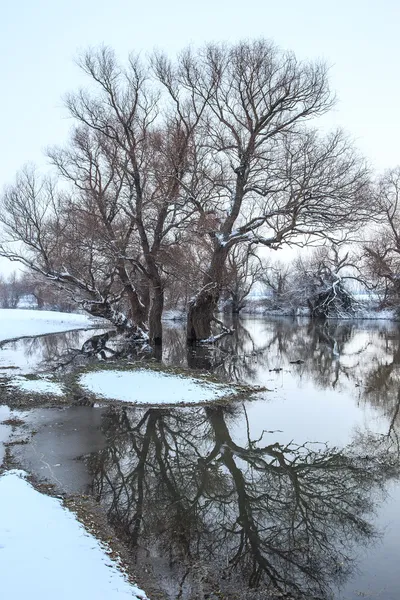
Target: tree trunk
point(118, 319)
point(237, 304)
point(204, 304)
point(145, 296)
point(155, 314)
point(199, 358)
point(200, 314)
point(137, 308)
point(39, 301)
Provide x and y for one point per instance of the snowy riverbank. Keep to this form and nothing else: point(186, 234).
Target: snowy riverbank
point(46, 553)
point(17, 323)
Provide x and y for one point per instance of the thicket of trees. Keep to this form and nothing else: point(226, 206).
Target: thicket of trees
point(178, 171)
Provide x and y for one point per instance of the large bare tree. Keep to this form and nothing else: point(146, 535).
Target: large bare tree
point(127, 166)
point(151, 143)
point(270, 180)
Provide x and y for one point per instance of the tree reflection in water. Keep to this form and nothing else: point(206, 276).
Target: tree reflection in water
point(329, 352)
point(48, 351)
point(219, 517)
point(227, 519)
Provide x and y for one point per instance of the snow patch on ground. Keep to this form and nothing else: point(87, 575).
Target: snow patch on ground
point(150, 387)
point(45, 553)
point(15, 323)
point(38, 386)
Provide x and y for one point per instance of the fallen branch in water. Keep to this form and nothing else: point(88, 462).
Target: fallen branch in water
point(215, 338)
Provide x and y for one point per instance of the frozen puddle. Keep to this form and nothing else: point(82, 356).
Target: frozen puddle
point(38, 386)
point(150, 387)
point(45, 553)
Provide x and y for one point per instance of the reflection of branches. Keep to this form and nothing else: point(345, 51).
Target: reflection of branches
point(224, 515)
point(331, 352)
point(382, 383)
point(46, 351)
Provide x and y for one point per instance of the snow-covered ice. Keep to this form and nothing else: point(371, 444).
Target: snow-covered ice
point(151, 387)
point(15, 323)
point(38, 386)
point(45, 553)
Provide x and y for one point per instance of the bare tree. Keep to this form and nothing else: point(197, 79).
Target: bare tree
point(322, 282)
point(92, 166)
point(11, 290)
point(382, 253)
point(127, 170)
point(276, 279)
point(48, 232)
point(269, 180)
point(151, 146)
point(167, 153)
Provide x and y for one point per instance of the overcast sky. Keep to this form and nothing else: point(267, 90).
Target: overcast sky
point(40, 38)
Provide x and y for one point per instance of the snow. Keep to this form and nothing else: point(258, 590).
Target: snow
point(38, 386)
point(16, 323)
point(45, 553)
point(150, 387)
point(27, 301)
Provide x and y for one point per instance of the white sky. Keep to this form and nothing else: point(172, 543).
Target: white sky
point(40, 38)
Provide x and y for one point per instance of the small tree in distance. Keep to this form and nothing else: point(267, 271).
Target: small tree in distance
point(322, 282)
point(276, 279)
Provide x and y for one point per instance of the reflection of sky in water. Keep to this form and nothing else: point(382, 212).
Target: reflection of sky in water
point(310, 415)
point(327, 397)
point(377, 576)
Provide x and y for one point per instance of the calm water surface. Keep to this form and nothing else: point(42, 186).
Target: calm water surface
point(294, 494)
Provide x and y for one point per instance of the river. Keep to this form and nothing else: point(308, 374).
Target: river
point(293, 493)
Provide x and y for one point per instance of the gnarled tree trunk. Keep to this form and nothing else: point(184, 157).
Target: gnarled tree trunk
point(204, 304)
point(137, 309)
point(155, 314)
point(105, 310)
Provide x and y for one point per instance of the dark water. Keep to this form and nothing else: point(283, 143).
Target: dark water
point(293, 495)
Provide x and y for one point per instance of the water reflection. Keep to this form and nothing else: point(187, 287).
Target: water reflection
point(331, 353)
point(219, 508)
point(45, 352)
point(223, 519)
